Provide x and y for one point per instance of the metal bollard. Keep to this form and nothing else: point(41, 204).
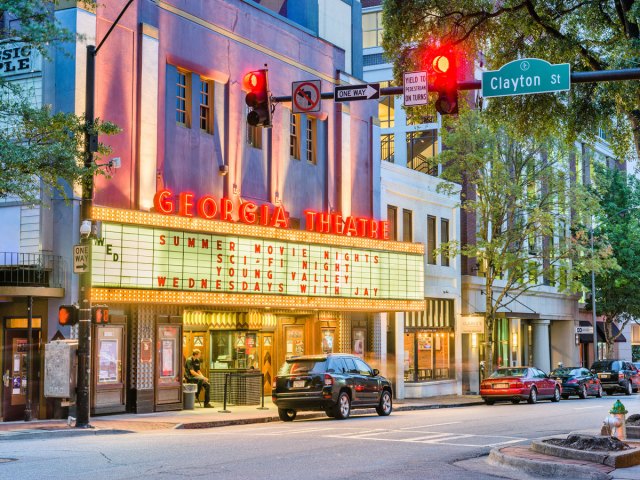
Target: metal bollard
point(262, 407)
point(224, 408)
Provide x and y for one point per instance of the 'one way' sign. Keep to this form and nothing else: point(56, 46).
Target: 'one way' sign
point(80, 258)
point(349, 93)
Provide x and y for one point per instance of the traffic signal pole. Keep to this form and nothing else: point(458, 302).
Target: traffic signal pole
point(576, 77)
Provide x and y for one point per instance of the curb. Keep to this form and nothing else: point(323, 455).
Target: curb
point(308, 416)
point(545, 468)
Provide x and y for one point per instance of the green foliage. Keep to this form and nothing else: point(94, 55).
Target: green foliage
point(618, 227)
point(589, 35)
point(36, 142)
point(531, 219)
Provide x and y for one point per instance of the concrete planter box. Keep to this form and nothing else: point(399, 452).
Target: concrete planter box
point(623, 459)
point(633, 432)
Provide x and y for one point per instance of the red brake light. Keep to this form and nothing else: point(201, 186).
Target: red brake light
point(328, 380)
point(517, 385)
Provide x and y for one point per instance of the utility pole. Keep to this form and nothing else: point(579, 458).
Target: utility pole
point(84, 295)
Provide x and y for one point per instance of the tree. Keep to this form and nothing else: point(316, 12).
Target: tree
point(37, 143)
point(590, 35)
point(527, 209)
point(618, 226)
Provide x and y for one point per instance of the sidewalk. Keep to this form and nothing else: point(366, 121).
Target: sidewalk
point(201, 418)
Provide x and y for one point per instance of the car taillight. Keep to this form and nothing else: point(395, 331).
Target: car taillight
point(517, 385)
point(572, 382)
point(328, 380)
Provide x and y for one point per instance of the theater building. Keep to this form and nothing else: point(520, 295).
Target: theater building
point(249, 243)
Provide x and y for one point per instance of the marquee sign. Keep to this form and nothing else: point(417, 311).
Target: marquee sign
point(18, 58)
point(165, 259)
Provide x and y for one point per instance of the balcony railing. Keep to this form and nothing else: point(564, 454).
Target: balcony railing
point(32, 270)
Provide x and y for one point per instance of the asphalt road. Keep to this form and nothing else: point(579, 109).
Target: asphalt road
point(424, 444)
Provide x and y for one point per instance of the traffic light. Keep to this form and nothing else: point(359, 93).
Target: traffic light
point(100, 314)
point(442, 67)
point(258, 98)
point(68, 315)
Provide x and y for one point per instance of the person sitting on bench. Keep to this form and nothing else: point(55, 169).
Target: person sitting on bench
point(194, 375)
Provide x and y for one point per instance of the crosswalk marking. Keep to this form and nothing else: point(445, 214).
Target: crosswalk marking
point(431, 425)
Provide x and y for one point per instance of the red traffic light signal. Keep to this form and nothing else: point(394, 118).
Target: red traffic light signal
point(100, 315)
point(258, 98)
point(67, 315)
point(442, 68)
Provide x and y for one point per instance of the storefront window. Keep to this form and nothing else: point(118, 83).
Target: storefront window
point(428, 355)
point(234, 350)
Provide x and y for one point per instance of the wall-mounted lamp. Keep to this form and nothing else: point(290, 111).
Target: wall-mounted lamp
point(514, 339)
point(474, 340)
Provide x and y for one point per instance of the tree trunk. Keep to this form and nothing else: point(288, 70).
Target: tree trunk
point(488, 322)
point(608, 338)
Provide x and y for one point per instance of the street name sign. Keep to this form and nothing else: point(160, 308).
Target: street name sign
point(526, 76)
point(415, 89)
point(348, 93)
point(584, 330)
point(305, 96)
point(80, 258)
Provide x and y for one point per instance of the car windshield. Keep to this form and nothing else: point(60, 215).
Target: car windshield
point(509, 372)
point(303, 367)
point(559, 372)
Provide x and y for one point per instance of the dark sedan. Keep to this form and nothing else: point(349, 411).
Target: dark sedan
point(333, 383)
point(577, 381)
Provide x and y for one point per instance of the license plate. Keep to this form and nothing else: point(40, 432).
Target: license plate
point(500, 385)
point(298, 384)
point(603, 375)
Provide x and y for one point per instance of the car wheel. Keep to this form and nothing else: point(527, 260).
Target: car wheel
point(343, 409)
point(286, 414)
point(583, 392)
point(556, 395)
point(629, 389)
point(533, 396)
point(565, 396)
point(385, 406)
point(515, 401)
point(599, 392)
point(489, 402)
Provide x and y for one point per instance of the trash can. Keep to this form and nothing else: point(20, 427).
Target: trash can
point(189, 395)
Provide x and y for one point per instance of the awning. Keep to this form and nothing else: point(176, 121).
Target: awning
point(588, 337)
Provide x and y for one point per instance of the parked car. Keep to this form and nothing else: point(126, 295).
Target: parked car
point(577, 381)
point(519, 383)
point(635, 378)
point(334, 383)
point(616, 376)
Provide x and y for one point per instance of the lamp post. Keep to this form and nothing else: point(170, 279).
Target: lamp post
point(593, 298)
point(84, 295)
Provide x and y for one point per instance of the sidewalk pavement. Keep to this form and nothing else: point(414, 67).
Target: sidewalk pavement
point(201, 418)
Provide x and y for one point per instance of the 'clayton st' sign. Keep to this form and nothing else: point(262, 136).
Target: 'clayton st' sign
point(526, 76)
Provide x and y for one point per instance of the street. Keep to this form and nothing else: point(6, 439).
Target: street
point(407, 445)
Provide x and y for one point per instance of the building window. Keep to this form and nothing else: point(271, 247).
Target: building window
point(444, 238)
point(310, 140)
point(422, 147)
point(429, 342)
point(386, 108)
point(206, 99)
point(392, 218)
point(371, 29)
point(407, 225)
point(431, 240)
point(183, 98)
point(387, 149)
point(294, 136)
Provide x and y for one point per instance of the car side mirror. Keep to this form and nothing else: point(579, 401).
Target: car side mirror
point(376, 372)
point(593, 371)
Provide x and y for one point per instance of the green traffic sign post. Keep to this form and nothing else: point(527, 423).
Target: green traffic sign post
point(526, 76)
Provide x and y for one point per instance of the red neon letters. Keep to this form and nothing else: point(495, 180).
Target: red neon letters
point(186, 204)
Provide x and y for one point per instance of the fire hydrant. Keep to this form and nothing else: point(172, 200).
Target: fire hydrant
point(616, 422)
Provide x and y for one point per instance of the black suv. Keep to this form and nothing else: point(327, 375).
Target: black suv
point(334, 383)
point(615, 375)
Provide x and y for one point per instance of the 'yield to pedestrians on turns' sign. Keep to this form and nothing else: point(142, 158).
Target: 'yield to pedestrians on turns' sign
point(522, 77)
point(415, 89)
point(357, 92)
